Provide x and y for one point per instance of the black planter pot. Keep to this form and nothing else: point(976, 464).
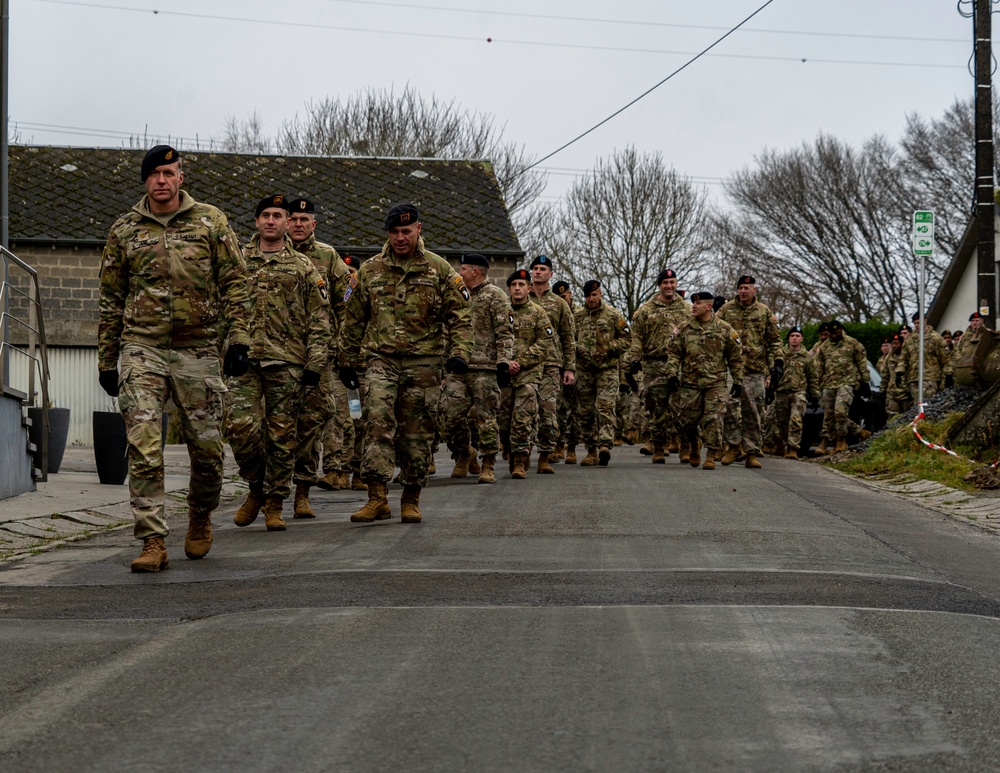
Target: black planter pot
point(111, 446)
point(58, 432)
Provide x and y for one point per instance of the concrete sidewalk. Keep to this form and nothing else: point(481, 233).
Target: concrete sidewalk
point(73, 503)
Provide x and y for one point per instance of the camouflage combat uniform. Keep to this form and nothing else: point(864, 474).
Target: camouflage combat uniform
point(761, 341)
point(289, 333)
point(562, 359)
point(652, 326)
point(841, 367)
point(798, 386)
point(602, 336)
point(534, 346)
point(475, 395)
point(897, 398)
point(968, 343)
point(569, 419)
point(323, 417)
point(937, 363)
point(397, 321)
point(702, 355)
point(171, 285)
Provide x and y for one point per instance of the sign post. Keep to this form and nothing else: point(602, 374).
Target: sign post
point(923, 246)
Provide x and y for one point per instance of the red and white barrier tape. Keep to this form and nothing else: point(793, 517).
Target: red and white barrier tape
point(933, 446)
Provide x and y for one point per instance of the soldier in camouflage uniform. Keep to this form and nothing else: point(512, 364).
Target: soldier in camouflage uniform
point(897, 398)
point(968, 342)
point(841, 370)
point(560, 370)
point(476, 394)
point(289, 346)
point(320, 404)
point(569, 419)
point(172, 281)
point(702, 353)
point(353, 431)
point(602, 336)
point(534, 344)
point(757, 328)
point(798, 386)
point(938, 371)
point(407, 306)
point(652, 326)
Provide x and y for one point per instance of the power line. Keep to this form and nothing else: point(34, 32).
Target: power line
point(500, 41)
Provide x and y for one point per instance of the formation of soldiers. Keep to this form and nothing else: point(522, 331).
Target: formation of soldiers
point(269, 345)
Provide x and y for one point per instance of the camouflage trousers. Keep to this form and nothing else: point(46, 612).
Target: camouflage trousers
point(744, 422)
point(400, 411)
point(597, 392)
point(623, 405)
point(549, 389)
point(836, 402)
point(569, 420)
point(262, 414)
point(359, 424)
point(702, 408)
point(474, 397)
point(789, 410)
point(338, 434)
point(314, 415)
point(191, 378)
point(518, 412)
point(897, 405)
point(661, 408)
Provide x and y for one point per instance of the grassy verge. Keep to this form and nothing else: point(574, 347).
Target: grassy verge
point(899, 452)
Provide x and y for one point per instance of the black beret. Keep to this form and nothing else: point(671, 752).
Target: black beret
point(521, 273)
point(794, 329)
point(897, 337)
point(682, 293)
point(475, 259)
point(905, 327)
point(401, 214)
point(835, 325)
point(945, 332)
point(158, 156)
point(277, 200)
point(590, 285)
point(823, 326)
point(560, 287)
point(352, 261)
point(667, 273)
point(541, 260)
point(975, 315)
point(702, 295)
point(916, 316)
point(888, 339)
point(746, 279)
point(302, 205)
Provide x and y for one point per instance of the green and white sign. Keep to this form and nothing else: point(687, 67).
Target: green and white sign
point(923, 233)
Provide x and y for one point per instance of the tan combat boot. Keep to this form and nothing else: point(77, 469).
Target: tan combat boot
point(153, 557)
point(251, 506)
point(357, 484)
point(683, 451)
point(377, 506)
point(302, 507)
point(779, 448)
point(461, 469)
point(570, 455)
point(330, 481)
point(618, 441)
point(632, 436)
point(474, 468)
point(658, 455)
point(821, 449)
point(558, 454)
point(604, 456)
point(730, 454)
point(709, 459)
point(432, 468)
point(344, 479)
point(695, 454)
point(272, 514)
point(841, 445)
point(791, 453)
point(865, 434)
point(409, 504)
point(591, 458)
point(544, 468)
point(675, 445)
point(198, 540)
point(647, 448)
point(767, 449)
point(752, 462)
point(519, 465)
point(488, 475)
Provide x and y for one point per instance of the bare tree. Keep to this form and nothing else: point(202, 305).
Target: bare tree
point(625, 222)
point(383, 123)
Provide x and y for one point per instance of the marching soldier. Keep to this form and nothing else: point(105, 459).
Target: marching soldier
point(172, 280)
point(476, 394)
point(703, 352)
point(841, 370)
point(569, 421)
point(897, 398)
point(602, 336)
point(289, 345)
point(798, 386)
point(407, 304)
point(938, 371)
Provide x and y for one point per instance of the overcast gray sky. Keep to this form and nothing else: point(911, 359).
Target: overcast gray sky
point(113, 68)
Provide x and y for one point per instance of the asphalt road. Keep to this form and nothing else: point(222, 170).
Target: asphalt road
point(636, 617)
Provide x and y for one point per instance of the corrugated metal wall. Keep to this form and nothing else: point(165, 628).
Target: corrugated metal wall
point(72, 384)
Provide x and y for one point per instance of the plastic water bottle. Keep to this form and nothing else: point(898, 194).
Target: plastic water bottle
point(354, 403)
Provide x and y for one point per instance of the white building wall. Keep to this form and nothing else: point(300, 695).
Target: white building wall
point(963, 302)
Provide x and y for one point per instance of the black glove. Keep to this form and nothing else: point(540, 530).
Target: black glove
point(631, 382)
point(736, 392)
point(949, 381)
point(456, 365)
point(349, 378)
point(777, 372)
point(673, 384)
point(768, 396)
point(625, 388)
point(237, 360)
point(813, 404)
point(503, 375)
point(899, 379)
point(109, 381)
point(310, 378)
point(865, 390)
point(634, 367)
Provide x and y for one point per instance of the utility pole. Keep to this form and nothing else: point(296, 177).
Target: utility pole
point(985, 204)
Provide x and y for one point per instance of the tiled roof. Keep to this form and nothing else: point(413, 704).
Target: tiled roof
point(75, 194)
